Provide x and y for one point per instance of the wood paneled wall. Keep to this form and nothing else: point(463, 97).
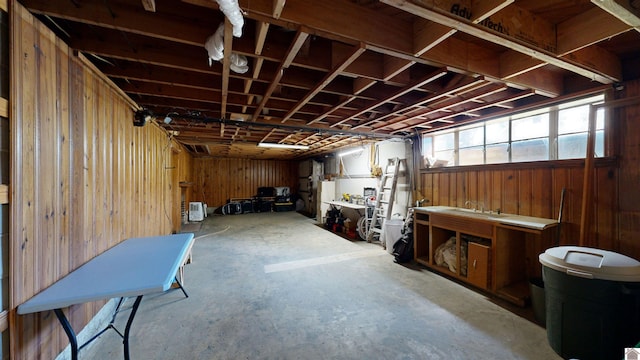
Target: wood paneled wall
point(534, 189)
point(83, 178)
point(628, 213)
point(216, 180)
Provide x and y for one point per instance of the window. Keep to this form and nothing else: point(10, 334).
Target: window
point(497, 141)
point(471, 145)
point(556, 132)
point(444, 147)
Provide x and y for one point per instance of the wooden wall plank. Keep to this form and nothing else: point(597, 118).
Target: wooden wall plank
point(218, 180)
point(83, 179)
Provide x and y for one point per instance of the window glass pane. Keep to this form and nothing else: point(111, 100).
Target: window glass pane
point(471, 156)
point(427, 146)
point(530, 150)
point(600, 119)
point(497, 131)
point(599, 150)
point(497, 153)
point(471, 137)
point(443, 142)
point(573, 120)
point(446, 155)
point(530, 127)
point(572, 146)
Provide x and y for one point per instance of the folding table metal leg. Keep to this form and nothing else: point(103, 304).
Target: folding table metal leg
point(73, 341)
point(180, 286)
point(136, 304)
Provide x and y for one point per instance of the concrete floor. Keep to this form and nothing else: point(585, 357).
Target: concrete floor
point(276, 286)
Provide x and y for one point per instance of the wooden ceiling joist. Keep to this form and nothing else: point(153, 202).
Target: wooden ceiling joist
point(357, 51)
point(622, 10)
point(416, 84)
point(432, 13)
point(295, 46)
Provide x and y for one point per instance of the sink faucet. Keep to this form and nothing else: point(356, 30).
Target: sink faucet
point(475, 205)
point(472, 203)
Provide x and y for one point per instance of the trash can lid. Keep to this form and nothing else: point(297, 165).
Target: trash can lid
point(591, 263)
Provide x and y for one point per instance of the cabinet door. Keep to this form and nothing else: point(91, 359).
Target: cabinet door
point(478, 266)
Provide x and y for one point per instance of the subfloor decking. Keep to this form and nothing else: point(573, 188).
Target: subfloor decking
point(276, 286)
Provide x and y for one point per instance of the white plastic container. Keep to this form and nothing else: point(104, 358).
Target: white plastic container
point(392, 232)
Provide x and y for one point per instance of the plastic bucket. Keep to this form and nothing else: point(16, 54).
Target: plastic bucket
point(392, 232)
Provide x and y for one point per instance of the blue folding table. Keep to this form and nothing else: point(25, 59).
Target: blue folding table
point(133, 268)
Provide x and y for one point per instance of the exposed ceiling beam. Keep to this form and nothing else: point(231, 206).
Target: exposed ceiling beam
point(357, 51)
point(295, 46)
point(261, 34)
point(463, 111)
point(149, 5)
point(414, 85)
point(447, 104)
point(191, 28)
point(432, 13)
point(621, 10)
point(226, 64)
point(278, 5)
point(587, 28)
point(446, 92)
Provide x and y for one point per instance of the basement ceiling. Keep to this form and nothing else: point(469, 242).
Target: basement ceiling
point(332, 74)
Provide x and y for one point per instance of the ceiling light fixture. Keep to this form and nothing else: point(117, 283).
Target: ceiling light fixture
point(352, 151)
point(283, 146)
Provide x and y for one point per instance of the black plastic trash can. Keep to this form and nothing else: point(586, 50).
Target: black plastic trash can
point(592, 301)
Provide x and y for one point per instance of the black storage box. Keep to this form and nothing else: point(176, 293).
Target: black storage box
point(266, 192)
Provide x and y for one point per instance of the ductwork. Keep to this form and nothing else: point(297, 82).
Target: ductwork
point(215, 45)
point(215, 48)
point(231, 10)
point(239, 63)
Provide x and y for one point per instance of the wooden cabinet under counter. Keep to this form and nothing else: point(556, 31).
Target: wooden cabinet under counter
point(478, 258)
point(493, 252)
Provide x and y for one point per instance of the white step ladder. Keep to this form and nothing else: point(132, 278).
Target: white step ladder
point(385, 198)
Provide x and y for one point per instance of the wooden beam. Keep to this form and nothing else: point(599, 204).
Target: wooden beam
point(335, 71)
point(587, 183)
point(414, 85)
point(278, 5)
point(513, 63)
point(295, 46)
point(333, 109)
point(392, 66)
point(361, 84)
point(4, 107)
point(297, 43)
point(542, 80)
point(457, 112)
point(226, 65)
point(162, 25)
point(261, 34)
point(587, 28)
point(428, 34)
point(149, 5)
point(481, 10)
point(478, 30)
point(622, 10)
point(446, 104)
point(446, 92)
